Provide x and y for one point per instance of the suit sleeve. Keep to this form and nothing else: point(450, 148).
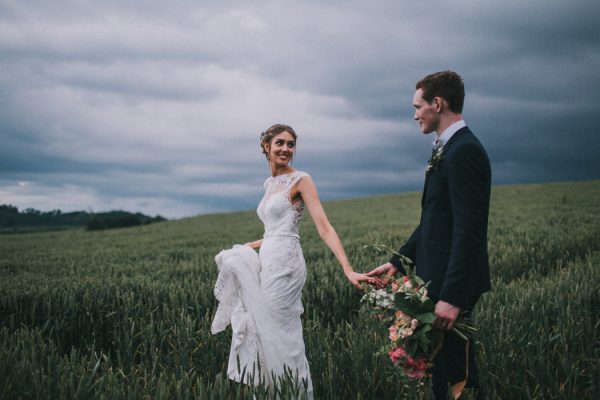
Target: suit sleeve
point(468, 185)
point(409, 249)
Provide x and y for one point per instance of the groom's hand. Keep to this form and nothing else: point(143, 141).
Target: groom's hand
point(388, 269)
point(446, 315)
point(357, 278)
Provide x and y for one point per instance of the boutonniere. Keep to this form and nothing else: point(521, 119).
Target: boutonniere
point(437, 155)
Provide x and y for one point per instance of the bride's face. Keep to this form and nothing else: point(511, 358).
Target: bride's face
point(281, 149)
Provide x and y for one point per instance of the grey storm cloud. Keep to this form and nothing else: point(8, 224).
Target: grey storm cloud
point(157, 107)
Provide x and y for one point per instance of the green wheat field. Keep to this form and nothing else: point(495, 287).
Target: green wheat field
point(126, 313)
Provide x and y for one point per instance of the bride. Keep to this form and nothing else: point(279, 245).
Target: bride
point(260, 295)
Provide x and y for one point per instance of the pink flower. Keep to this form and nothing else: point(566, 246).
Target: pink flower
point(415, 368)
point(414, 373)
point(397, 354)
point(393, 333)
point(414, 323)
point(394, 287)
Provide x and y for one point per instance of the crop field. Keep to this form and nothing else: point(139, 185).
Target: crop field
point(126, 313)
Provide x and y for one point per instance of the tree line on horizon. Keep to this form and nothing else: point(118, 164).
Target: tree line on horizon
point(12, 218)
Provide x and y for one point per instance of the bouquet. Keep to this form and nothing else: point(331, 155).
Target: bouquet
point(408, 313)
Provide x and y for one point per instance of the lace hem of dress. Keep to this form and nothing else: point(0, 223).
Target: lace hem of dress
point(246, 356)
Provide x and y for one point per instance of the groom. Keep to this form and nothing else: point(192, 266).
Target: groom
point(449, 246)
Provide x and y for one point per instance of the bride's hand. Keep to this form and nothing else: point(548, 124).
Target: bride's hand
point(255, 245)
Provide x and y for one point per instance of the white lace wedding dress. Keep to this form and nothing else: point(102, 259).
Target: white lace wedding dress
point(260, 295)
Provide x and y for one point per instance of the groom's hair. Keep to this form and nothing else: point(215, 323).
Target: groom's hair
point(445, 84)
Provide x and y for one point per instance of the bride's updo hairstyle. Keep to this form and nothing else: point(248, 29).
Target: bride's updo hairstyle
point(269, 134)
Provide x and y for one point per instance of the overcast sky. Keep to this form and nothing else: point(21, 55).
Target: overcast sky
point(157, 107)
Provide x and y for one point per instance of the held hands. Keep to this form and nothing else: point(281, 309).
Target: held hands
point(388, 269)
point(446, 315)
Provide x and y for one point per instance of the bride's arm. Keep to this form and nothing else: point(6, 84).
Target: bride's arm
point(308, 191)
point(255, 245)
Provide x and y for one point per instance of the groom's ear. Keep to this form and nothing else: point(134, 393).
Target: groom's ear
point(439, 104)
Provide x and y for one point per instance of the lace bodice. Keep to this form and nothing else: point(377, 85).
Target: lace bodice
point(280, 216)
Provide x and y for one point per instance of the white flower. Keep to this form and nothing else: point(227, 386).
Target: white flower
point(383, 299)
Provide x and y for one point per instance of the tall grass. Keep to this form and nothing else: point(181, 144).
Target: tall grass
point(127, 313)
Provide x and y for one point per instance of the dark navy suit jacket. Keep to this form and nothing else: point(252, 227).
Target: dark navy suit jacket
point(449, 247)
